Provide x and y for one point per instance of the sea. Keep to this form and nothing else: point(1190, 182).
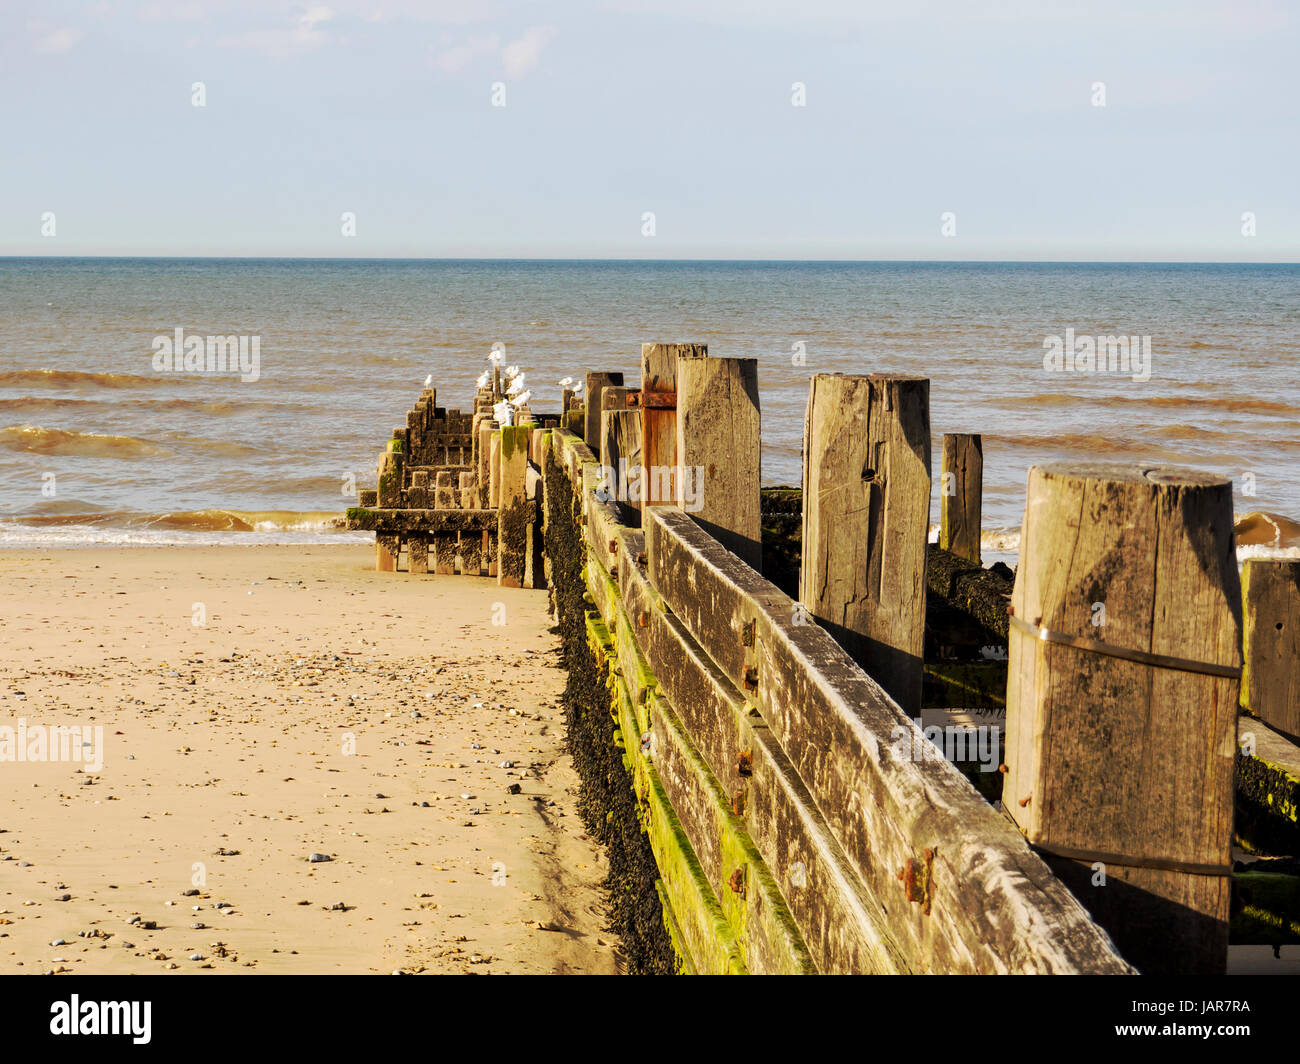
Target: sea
point(104, 441)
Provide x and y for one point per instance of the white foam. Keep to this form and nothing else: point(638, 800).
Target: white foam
point(17, 537)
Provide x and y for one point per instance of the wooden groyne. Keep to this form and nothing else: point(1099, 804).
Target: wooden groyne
point(754, 751)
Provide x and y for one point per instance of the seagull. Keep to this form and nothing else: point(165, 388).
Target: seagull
point(483, 379)
point(512, 371)
point(503, 412)
point(516, 385)
point(519, 400)
point(567, 382)
point(577, 388)
point(428, 381)
point(494, 356)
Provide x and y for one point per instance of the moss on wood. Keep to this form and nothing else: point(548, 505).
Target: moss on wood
point(606, 800)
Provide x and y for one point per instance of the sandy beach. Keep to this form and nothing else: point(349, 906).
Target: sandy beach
point(261, 705)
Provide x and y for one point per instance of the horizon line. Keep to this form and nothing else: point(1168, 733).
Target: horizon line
point(647, 261)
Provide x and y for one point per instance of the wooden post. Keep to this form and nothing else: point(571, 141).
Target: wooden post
point(444, 553)
point(961, 494)
point(659, 418)
point(719, 450)
point(417, 558)
point(387, 548)
point(1270, 683)
point(612, 400)
point(866, 516)
point(484, 467)
point(445, 491)
point(417, 495)
point(1120, 764)
point(514, 512)
point(494, 470)
point(390, 478)
point(620, 435)
point(596, 383)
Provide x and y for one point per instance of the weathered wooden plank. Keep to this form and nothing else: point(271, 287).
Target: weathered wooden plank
point(866, 512)
point(993, 905)
point(403, 521)
point(719, 450)
point(705, 934)
point(1113, 760)
point(766, 935)
point(638, 678)
point(602, 518)
point(825, 897)
point(1270, 681)
point(961, 494)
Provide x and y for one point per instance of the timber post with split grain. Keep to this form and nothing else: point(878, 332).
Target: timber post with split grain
point(752, 760)
point(1122, 701)
point(961, 495)
point(866, 517)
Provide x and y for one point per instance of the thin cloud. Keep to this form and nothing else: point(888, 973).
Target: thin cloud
point(279, 43)
point(59, 41)
point(456, 58)
point(523, 55)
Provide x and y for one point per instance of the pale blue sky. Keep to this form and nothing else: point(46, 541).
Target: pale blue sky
point(677, 107)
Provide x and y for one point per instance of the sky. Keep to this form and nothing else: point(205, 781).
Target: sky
point(816, 129)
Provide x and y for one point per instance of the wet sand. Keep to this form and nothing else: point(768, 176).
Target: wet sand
point(379, 720)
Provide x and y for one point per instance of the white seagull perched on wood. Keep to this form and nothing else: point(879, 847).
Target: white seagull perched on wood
point(494, 356)
point(519, 400)
point(483, 379)
point(577, 388)
point(428, 381)
point(567, 382)
point(512, 371)
point(503, 412)
point(516, 385)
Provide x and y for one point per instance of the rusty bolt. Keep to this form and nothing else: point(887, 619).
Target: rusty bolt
point(1025, 800)
point(745, 763)
point(643, 619)
point(613, 546)
point(747, 633)
point(737, 882)
point(738, 801)
point(917, 879)
point(751, 678)
point(1003, 768)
